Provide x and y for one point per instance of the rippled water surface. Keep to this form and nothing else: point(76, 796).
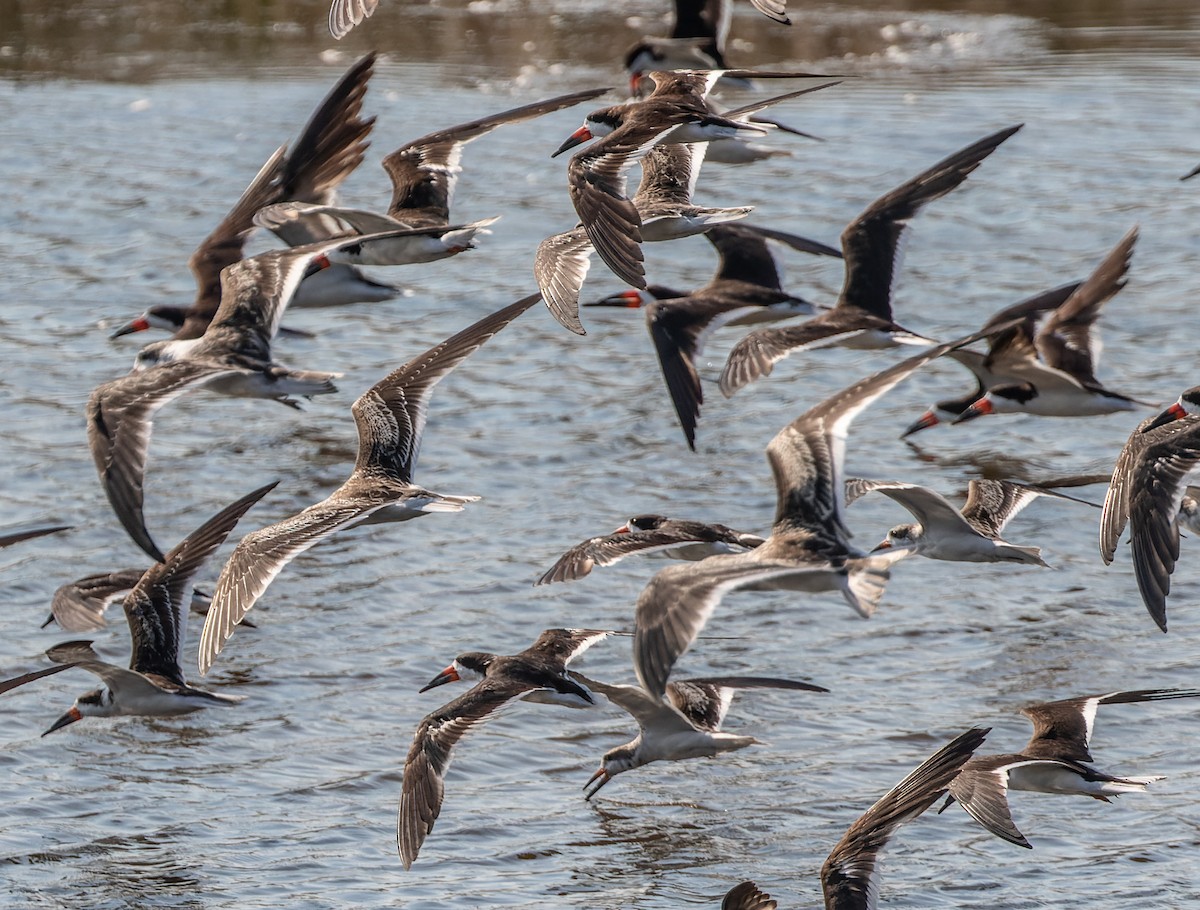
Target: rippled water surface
point(122, 148)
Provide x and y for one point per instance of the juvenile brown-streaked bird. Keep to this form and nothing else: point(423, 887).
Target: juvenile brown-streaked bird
point(684, 722)
point(330, 146)
point(157, 613)
point(232, 357)
point(1055, 760)
point(536, 674)
point(969, 534)
point(390, 417)
point(674, 538)
point(862, 317)
point(1148, 492)
point(1054, 372)
point(423, 173)
point(808, 549)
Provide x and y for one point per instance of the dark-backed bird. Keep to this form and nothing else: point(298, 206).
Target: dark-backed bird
point(1055, 760)
point(536, 674)
point(862, 317)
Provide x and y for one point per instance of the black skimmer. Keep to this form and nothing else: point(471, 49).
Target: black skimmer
point(156, 611)
point(1147, 492)
point(971, 534)
point(8, 538)
point(423, 173)
point(537, 673)
point(988, 369)
point(745, 291)
point(862, 317)
point(675, 112)
point(390, 417)
point(808, 549)
point(1054, 372)
point(232, 357)
point(675, 538)
point(849, 875)
point(686, 724)
point(1056, 760)
point(329, 148)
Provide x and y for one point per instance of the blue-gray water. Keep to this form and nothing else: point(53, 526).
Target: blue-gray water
point(289, 799)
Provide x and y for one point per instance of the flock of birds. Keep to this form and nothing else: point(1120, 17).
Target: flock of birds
point(1036, 357)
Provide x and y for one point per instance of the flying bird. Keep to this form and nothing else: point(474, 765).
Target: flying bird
point(537, 673)
point(390, 417)
point(1055, 760)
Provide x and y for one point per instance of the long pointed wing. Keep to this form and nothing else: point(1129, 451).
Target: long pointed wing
point(561, 646)
point(755, 355)
point(1065, 340)
point(1147, 487)
point(428, 758)
point(669, 174)
point(560, 267)
point(982, 789)
point(849, 877)
point(929, 507)
point(677, 603)
point(806, 456)
point(390, 415)
point(1063, 729)
point(644, 708)
point(870, 243)
point(17, 681)
point(157, 607)
point(78, 606)
point(120, 418)
point(992, 504)
point(261, 555)
point(425, 171)
point(11, 537)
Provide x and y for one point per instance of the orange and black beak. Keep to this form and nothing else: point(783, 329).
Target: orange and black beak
point(1174, 412)
point(978, 409)
point(924, 422)
point(630, 299)
point(69, 718)
point(600, 778)
point(448, 675)
point(137, 325)
point(581, 135)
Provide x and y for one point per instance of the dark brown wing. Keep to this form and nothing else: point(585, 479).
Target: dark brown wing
point(704, 702)
point(849, 877)
point(157, 607)
point(870, 243)
point(747, 896)
point(425, 171)
point(428, 758)
point(1065, 340)
point(120, 418)
point(1062, 730)
point(11, 537)
point(390, 415)
point(561, 646)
